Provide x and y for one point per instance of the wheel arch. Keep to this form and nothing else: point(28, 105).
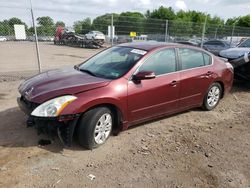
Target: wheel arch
point(118, 116)
point(222, 87)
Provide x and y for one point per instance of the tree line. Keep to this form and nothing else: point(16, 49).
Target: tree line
point(152, 22)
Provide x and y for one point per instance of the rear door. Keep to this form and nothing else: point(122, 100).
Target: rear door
point(196, 76)
point(157, 96)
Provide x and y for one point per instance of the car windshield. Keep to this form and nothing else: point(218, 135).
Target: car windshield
point(112, 63)
point(245, 43)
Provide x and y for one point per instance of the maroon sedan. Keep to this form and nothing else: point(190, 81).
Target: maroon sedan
point(123, 86)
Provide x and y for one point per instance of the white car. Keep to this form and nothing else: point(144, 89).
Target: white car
point(97, 35)
point(2, 39)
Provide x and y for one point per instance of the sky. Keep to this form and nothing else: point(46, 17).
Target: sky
point(72, 10)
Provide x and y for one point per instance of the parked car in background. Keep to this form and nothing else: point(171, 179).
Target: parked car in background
point(123, 39)
point(237, 52)
point(234, 53)
point(2, 39)
point(122, 86)
point(197, 40)
point(41, 38)
point(191, 42)
point(242, 68)
point(215, 46)
point(245, 43)
point(188, 43)
point(97, 35)
point(239, 57)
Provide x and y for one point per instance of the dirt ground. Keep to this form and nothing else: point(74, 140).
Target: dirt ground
point(190, 149)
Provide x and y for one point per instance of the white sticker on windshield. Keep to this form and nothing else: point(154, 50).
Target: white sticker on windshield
point(137, 51)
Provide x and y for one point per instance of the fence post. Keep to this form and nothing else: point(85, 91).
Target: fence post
point(37, 47)
point(112, 30)
point(231, 40)
point(215, 34)
point(203, 31)
point(166, 31)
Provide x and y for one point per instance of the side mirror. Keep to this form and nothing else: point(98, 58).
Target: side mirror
point(144, 75)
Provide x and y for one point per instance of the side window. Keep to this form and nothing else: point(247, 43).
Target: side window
point(161, 62)
point(207, 59)
point(191, 58)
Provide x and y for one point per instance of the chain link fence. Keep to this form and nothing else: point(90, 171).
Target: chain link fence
point(19, 58)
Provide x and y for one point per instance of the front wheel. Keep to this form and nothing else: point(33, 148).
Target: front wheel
point(213, 96)
point(95, 127)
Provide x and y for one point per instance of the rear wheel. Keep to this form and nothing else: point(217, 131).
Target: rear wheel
point(213, 96)
point(95, 127)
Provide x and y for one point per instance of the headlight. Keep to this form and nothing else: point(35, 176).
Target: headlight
point(53, 107)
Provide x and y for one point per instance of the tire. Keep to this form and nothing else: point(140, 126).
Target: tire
point(95, 127)
point(212, 97)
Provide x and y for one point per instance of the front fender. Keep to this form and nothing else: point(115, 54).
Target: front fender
point(83, 104)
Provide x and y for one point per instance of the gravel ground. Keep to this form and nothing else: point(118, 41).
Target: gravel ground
point(20, 57)
point(190, 149)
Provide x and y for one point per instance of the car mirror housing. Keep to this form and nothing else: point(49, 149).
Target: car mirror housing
point(144, 75)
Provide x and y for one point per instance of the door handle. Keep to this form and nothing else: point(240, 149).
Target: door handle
point(174, 83)
point(209, 73)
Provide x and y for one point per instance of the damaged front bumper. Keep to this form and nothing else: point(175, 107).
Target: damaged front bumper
point(242, 67)
point(63, 126)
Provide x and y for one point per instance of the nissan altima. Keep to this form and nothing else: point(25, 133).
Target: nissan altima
point(123, 86)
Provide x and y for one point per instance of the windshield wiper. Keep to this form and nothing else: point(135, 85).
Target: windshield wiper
point(87, 71)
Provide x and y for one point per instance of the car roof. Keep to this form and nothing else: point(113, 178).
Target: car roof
point(148, 46)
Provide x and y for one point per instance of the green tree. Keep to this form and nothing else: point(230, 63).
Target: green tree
point(5, 29)
point(232, 21)
point(46, 26)
point(7, 26)
point(101, 23)
point(60, 23)
point(45, 21)
point(130, 21)
point(164, 13)
point(244, 21)
point(14, 20)
point(83, 27)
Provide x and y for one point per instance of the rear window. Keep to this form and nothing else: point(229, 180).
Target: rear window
point(207, 59)
point(193, 58)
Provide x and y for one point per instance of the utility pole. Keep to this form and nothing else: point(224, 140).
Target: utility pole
point(37, 47)
point(231, 40)
point(112, 30)
point(203, 31)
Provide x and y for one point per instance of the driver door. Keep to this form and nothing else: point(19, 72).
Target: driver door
point(158, 96)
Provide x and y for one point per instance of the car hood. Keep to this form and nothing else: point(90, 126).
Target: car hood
point(51, 84)
point(234, 53)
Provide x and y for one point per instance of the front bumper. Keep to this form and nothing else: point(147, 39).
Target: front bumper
point(63, 126)
point(26, 106)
